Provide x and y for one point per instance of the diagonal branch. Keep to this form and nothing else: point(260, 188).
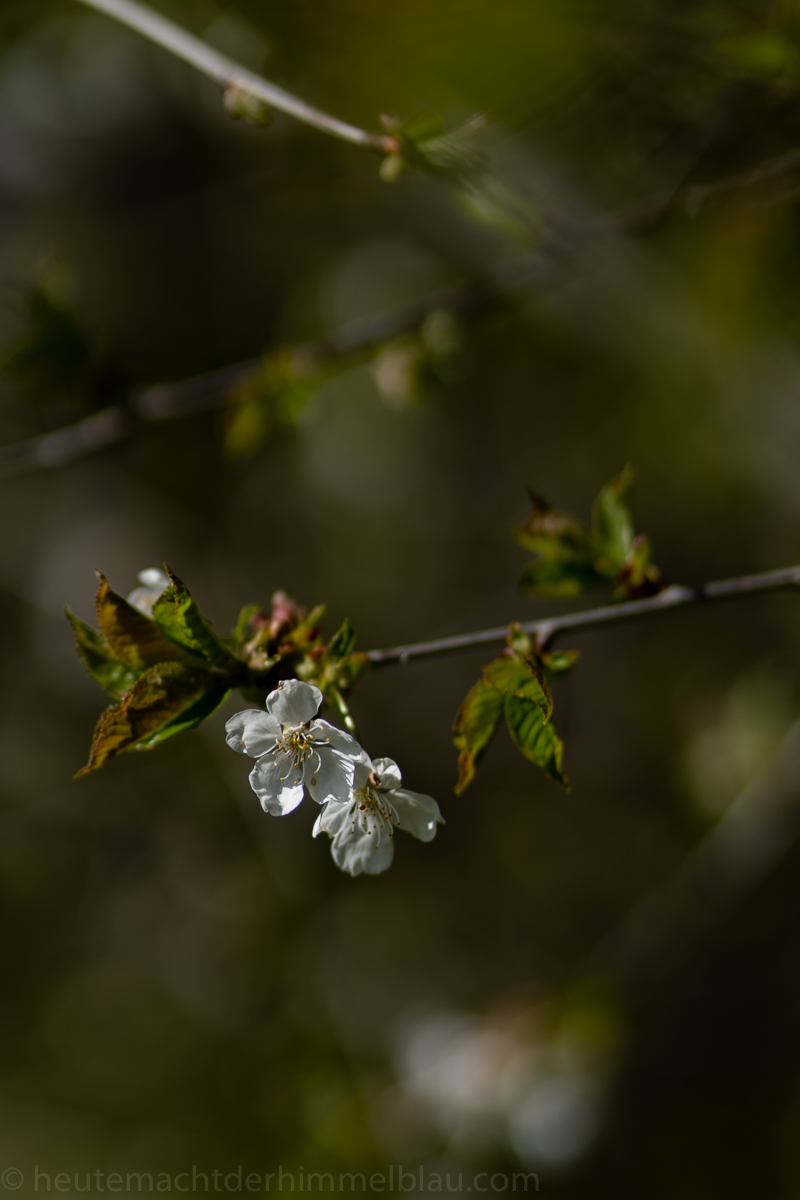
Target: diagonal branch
point(544, 631)
point(230, 74)
point(165, 401)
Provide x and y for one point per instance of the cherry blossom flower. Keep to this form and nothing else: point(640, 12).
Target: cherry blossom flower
point(154, 582)
point(362, 827)
point(295, 752)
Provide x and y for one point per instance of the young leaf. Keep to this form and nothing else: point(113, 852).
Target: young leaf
point(132, 637)
point(640, 576)
point(343, 641)
point(539, 742)
point(158, 699)
point(190, 719)
point(115, 676)
point(178, 615)
point(517, 678)
point(240, 632)
point(476, 723)
point(564, 563)
point(559, 662)
point(612, 522)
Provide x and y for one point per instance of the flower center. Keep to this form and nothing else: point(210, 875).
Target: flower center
point(295, 745)
point(373, 812)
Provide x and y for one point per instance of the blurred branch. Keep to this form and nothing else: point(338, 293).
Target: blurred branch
point(165, 401)
point(230, 74)
point(544, 631)
point(750, 839)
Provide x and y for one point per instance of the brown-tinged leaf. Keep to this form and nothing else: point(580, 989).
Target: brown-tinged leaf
point(475, 725)
point(132, 637)
point(539, 742)
point(158, 699)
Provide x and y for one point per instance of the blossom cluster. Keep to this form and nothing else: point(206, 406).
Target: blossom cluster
point(362, 801)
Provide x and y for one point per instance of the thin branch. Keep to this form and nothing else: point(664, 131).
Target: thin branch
point(165, 401)
point(546, 630)
point(227, 73)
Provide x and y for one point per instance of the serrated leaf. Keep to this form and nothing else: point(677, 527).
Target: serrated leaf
point(560, 662)
point(190, 719)
point(539, 742)
point(177, 613)
point(474, 729)
point(612, 521)
point(132, 637)
point(115, 676)
point(163, 695)
point(518, 678)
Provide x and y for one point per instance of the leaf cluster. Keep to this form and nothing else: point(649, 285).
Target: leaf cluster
point(571, 559)
point(515, 687)
point(169, 671)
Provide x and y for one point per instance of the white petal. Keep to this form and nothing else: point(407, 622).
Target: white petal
point(154, 577)
point(293, 702)
point(278, 783)
point(332, 818)
point(252, 732)
point(358, 851)
point(143, 598)
point(388, 773)
point(323, 731)
point(363, 772)
point(417, 814)
point(328, 775)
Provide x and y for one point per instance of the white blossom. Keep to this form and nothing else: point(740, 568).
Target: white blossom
point(294, 751)
point(362, 827)
point(154, 582)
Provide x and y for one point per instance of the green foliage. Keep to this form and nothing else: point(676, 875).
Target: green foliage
point(476, 724)
point(115, 676)
point(336, 668)
point(271, 400)
point(244, 106)
point(571, 559)
point(168, 698)
point(514, 686)
point(177, 614)
point(133, 638)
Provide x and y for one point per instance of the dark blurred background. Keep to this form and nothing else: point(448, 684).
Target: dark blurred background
point(186, 980)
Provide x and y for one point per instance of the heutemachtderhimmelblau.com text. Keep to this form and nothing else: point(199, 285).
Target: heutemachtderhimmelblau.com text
point(195, 1179)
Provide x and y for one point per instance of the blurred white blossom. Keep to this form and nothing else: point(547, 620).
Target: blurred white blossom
point(153, 582)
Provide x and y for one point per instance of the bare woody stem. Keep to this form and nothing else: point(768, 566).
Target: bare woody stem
point(546, 630)
point(228, 73)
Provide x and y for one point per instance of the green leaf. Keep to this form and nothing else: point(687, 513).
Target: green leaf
point(178, 615)
point(343, 641)
point(565, 557)
point(474, 729)
point(190, 719)
point(163, 696)
point(241, 630)
point(271, 399)
point(510, 674)
point(539, 742)
point(560, 662)
point(132, 637)
point(639, 576)
point(612, 522)
point(561, 573)
point(115, 676)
